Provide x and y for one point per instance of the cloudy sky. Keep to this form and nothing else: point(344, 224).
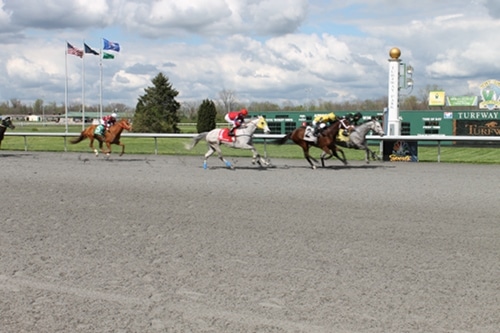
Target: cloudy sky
point(263, 50)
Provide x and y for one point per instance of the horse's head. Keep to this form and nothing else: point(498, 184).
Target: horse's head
point(125, 124)
point(376, 127)
point(7, 122)
point(261, 123)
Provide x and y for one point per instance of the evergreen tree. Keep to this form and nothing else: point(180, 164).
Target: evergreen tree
point(156, 110)
point(206, 116)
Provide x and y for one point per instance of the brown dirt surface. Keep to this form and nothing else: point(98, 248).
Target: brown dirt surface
point(158, 244)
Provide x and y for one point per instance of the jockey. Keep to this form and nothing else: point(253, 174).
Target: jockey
point(236, 119)
point(319, 122)
point(109, 120)
point(353, 122)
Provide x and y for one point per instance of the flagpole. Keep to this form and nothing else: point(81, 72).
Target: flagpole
point(66, 86)
point(83, 87)
point(100, 80)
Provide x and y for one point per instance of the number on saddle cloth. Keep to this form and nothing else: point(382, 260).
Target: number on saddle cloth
point(99, 130)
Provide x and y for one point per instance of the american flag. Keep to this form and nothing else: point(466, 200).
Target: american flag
point(74, 51)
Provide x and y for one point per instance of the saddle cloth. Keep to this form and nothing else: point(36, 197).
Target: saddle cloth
point(224, 135)
point(342, 137)
point(309, 134)
point(99, 130)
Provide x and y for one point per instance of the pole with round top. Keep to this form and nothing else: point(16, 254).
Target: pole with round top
point(393, 121)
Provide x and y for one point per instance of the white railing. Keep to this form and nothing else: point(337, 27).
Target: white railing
point(429, 138)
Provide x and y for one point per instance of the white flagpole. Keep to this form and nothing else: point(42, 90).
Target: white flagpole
point(83, 87)
point(66, 86)
point(100, 79)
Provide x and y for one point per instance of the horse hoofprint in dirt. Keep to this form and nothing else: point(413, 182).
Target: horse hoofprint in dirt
point(241, 140)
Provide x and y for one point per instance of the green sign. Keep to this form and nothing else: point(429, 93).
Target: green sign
point(461, 100)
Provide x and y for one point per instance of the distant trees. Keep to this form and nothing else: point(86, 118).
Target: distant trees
point(156, 110)
point(206, 116)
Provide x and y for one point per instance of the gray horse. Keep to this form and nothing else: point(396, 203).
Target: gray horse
point(241, 140)
point(357, 138)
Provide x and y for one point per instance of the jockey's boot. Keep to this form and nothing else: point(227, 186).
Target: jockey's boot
point(99, 137)
point(231, 132)
point(346, 132)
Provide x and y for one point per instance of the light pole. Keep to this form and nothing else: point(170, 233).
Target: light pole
point(308, 100)
point(43, 110)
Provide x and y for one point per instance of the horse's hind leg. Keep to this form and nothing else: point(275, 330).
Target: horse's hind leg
point(219, 152)
point(309, 158)
point(91, 145)
point(209, 153)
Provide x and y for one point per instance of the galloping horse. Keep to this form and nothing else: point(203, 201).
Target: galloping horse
point(110, 137)
point(6, 123)
point(241, 140)
point(357, 138)
point(325, 141)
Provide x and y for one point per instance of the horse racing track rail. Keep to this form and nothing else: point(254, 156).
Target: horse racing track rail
point(439, 139)
point(158, 244)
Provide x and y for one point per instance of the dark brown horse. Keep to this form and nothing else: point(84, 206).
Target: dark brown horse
point(325, 142)
point(112, 136)
point(4, 124)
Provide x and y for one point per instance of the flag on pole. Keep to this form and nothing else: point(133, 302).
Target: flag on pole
point(74, 51)
point(106, 55)
point(111, 45)
point(88, 49)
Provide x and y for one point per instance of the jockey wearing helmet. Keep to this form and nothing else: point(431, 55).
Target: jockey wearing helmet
point(109, 120)
point(236, 119)
point(353, 122)
point(320, 122)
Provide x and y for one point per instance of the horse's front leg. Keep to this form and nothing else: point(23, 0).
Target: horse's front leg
point(108, 147)
point(375, 157)
point(258, 159)
point(123, 147)
point(335, 151)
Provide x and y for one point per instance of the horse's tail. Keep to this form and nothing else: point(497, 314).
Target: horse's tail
point(283, 139)
point(196, 139)
point(78, 139)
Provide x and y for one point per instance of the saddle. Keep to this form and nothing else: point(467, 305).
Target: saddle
point(225, 137)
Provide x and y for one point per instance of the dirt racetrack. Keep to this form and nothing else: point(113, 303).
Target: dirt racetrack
point(157, 244)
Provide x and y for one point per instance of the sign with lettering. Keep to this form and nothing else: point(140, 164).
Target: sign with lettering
point(461, 100)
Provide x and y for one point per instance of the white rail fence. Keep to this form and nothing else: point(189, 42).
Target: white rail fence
point(265, 137)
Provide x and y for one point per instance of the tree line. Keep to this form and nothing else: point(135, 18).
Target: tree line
point(158, 111)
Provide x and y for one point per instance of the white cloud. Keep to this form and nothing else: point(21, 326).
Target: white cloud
point(262, 49)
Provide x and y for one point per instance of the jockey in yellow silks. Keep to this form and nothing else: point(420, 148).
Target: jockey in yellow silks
point(320, 121)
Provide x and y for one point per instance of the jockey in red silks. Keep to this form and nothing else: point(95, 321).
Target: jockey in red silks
point(109, 120)
point(236, 119)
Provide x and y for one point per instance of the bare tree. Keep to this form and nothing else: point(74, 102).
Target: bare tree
point(228, 99)
point(424, 93)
